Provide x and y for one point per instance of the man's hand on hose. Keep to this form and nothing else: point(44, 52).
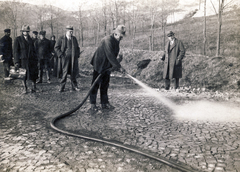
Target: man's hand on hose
point(122, 70)
point(1, 58)
point(17, 66)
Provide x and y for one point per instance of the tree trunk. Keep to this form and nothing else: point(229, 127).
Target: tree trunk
point(152, 34)
point(133, 38)
point(219, 26)
point(82, 34)
point(98, 30)
point(150, 47)
point(204, 30)
point(164, 35)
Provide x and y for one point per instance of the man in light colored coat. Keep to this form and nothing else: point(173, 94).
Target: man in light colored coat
point(68, 52)
point(172, 57)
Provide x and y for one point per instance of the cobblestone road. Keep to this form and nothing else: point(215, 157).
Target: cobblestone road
point(27, 143)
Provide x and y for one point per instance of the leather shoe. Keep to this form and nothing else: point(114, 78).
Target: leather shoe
point(76, 89)
point(94, 107)
point(107, 106)
point(25, 91)
point(61, 90)
point(39, 81)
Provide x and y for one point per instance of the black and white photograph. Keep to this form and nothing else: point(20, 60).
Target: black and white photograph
point(119, 86)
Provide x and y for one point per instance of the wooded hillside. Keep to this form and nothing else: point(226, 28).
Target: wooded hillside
point(147, 23)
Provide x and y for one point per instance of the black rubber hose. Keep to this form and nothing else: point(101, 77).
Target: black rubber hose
point(172, 164)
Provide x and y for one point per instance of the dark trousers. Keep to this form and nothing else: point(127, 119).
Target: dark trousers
point(66, 68)
point(103, 83)
point(6, 66)
point(167, 83)
point(43, 63)
point(55, 66)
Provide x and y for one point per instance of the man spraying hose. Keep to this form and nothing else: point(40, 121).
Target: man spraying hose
point(105, 57)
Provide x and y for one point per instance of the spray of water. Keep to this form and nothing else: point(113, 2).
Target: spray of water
point(154, 93)
point(208, 111)
point(196, 111)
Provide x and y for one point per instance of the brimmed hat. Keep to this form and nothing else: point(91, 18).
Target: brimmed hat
point(170, 34)
point(7, 30)
point(120, 29)
point(35, 32)
point(42, 32)
point(69, 27)
point(25, 28)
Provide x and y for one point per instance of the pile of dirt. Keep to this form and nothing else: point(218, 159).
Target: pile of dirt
point(199, 72)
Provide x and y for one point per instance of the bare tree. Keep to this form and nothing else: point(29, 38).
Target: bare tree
point(51, 18)
point(159, 11)
point(60, 18)
point(96, 15)
point(10, 14)
point(204, 29)
point(105, 16)
point(41, 16)
point(80, 18)
point(222, 5)
point(134, 13)
point(167, 8)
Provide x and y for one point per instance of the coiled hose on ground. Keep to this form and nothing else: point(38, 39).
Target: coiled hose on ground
point(172, 164)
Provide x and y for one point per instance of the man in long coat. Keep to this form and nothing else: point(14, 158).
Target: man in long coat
point(6, 52)
point(68, 52)
point(173, 55)
point(25, 57)
point(104, 58)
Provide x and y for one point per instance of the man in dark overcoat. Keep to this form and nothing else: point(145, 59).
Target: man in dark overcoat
point(105, 58)
point(172, 57)
point(68, 52)
point(43, 50)
point(34, 36)
point(25, 57)
point(6, 52)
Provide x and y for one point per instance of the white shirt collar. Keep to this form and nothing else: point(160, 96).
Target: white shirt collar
point(68, 37)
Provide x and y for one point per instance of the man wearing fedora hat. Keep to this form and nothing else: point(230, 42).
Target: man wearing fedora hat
point(68, 52)
point(172, 57)
point(6, 52)
point(25, 57)
point(104, 61)
point(43, 50)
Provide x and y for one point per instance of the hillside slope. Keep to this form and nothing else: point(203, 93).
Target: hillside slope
point(200, 72)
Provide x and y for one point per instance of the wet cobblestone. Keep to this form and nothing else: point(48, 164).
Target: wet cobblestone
point(27, 143)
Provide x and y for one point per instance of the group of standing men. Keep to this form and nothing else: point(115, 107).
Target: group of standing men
point(34, 55)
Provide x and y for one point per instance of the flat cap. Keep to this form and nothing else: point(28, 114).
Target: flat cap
point(69, 27)
point(42, 32)
point(7, 30)
point(170, 34)
point(35, 32)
